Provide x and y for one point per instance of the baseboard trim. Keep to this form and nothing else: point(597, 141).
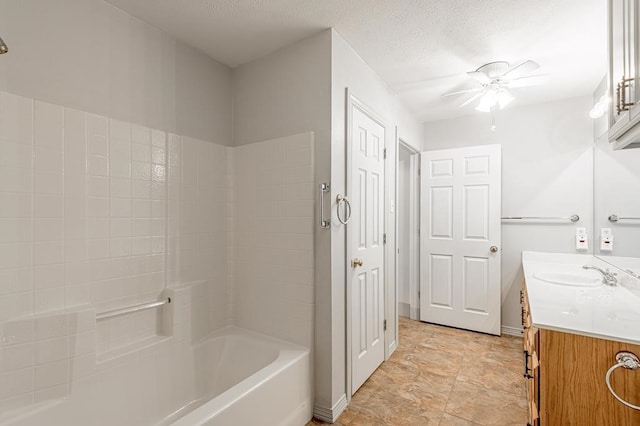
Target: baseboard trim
point(416, 314)
point(511, 331)
point(404, 309)
point(391, 349)
point(330, 415)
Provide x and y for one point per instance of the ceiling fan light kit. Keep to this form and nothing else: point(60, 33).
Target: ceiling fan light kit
point(493, 97)
point(495, 79)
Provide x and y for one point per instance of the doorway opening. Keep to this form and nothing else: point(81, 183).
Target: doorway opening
point(408, 233)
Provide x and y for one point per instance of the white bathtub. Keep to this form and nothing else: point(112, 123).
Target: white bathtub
point(245, 379)
point(233, 378)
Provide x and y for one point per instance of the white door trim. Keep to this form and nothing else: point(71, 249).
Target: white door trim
point(414, 229)
point(353, 102)
point(390, 248)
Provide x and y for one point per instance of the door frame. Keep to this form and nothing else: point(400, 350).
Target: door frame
point(354, 102)
point(414, 224)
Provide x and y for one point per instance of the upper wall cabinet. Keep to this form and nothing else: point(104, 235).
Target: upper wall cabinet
point(624, 36)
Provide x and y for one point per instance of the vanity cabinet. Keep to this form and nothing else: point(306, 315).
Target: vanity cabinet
point(531, 360)
point(624, 36)
point(565, 377)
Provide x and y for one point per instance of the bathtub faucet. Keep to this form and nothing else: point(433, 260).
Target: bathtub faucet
point(608, 278)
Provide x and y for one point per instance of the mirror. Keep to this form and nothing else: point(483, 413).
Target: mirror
point(616, 199)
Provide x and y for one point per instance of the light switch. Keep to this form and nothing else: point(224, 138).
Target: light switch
point(606, 239)
point(582, 240)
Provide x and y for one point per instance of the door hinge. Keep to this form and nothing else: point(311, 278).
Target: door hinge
point(384, 153)
point(419, 172)
point(384, 325)
point(384, 238)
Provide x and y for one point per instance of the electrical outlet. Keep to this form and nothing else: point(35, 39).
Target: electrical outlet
point(606, 239)
point(582, 240)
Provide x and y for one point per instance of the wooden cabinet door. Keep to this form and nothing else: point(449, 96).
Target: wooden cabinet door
point(574, 391)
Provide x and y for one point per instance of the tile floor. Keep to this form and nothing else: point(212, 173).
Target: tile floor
point(443, 376)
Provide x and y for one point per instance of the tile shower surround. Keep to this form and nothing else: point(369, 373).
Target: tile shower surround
point(97, 213)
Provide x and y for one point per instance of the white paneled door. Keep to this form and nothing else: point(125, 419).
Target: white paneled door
point(365, 250)
point(460, 238)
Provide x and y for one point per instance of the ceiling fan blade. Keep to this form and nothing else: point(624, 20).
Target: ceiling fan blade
point(521, 70)
point(480, 76)
point(471, 99)
point(459, 92)
point(530, 80)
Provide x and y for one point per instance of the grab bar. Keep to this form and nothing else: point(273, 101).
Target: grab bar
point(614, 218)
point(131, 309)
point(572, 218)
point(324, 223)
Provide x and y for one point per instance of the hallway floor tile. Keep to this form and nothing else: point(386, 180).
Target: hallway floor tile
point(443, 376)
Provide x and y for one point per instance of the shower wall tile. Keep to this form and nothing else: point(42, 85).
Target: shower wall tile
point(16, 205)
point(197, 225)
point(38, 356)
point(273, 237)
point(83, 214)
point(97, 213)
point(18, 357)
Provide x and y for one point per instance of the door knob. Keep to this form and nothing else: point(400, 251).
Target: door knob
point(355, 263)
point(493, 249)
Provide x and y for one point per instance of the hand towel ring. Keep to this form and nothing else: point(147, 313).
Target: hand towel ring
point(626, 360)
point(347, 209)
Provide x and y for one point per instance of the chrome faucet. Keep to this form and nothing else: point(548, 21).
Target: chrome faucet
point(608, 278)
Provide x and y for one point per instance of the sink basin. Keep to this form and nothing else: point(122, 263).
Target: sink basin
point(576, 279)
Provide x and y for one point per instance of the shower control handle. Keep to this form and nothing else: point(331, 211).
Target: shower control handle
point(356, 262)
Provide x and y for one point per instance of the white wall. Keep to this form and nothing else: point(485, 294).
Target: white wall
point(301, 88)
point(88, 55)
point(285, 93)
point(348, 70)
point(547, 170)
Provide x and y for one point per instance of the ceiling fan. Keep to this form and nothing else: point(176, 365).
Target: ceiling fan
point(495, 79)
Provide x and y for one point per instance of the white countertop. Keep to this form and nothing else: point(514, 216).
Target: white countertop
point(602, 311)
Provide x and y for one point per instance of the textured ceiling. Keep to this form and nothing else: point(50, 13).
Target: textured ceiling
point(421, 48)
